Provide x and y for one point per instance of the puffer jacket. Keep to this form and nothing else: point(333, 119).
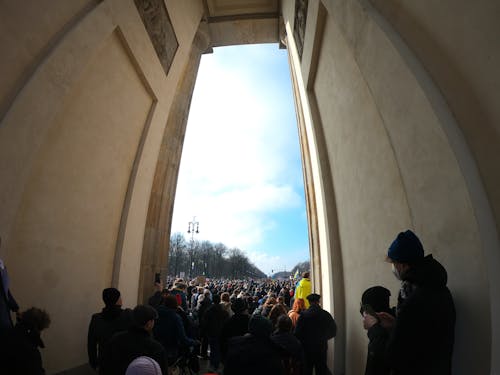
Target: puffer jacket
point(421, 341)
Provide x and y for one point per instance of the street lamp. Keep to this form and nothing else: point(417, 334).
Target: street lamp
point(193, 227)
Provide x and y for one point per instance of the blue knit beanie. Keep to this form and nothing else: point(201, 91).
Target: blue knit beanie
point(406, 248)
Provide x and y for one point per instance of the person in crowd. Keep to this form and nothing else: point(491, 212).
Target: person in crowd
point(7, 301)
point(304, 288)
point(375, 300)
point(225, 302)
point(143, 366)
point(137, 341)
point(204, 302)
point(169, 329)
point(160, 293)
point(285, 293)
point(292, 353)
point(254, 353)
point(294, 313)
point(315, 327)
point(268, 305)
point(421, 336)
point(214, 320)
point(278, 310)
point(179, 291)
point(104, 325)
point(281, 300)
point(236, 325)
point(197, 292)
point(19, 345)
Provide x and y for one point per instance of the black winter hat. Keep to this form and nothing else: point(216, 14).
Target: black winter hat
point(377, 297)
point(110, 296)
point(239, 305)
point(406, 248)
point(313, 297)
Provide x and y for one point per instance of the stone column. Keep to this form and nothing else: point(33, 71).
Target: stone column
point(159, 219)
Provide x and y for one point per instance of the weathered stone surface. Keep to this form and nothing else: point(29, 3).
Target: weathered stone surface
point(157, 22)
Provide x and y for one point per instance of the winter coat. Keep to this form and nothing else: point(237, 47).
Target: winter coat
point(214, 319)
point(169, 331)
point(250, 355)
point(315, 327)
point(19, 353)
point(421, 341)
point(136, 342)
point(376, 363)
point(292, 354)
point(303, 289)
point(237, 325)
point(102, 327)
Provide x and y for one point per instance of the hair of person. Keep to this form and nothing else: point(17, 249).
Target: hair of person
point(306, 275)
point(36, 319)
point(270, 301)
point(143, 314)
point(298, 305)
point(284, 323)
point(225, 297)
point(216, 298)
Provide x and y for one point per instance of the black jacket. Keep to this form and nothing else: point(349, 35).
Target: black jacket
point(102, 327)
point(315, 327)
point(136, 342)
point(19, 353)
point(250, 355)
point(421, 341)
point(237, 325)
point(214, 319)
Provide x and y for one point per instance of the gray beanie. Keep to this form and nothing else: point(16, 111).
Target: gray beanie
point(143, 366)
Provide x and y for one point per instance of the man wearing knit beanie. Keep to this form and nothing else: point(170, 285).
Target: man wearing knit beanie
point(419, 340)
point(104, 325)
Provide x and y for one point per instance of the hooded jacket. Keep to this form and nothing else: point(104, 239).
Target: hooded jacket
point(303, 289)
point(102, 327)
point(421, 341)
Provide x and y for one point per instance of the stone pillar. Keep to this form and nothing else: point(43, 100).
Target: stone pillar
point(159, 219)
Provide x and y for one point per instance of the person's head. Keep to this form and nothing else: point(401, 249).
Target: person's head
point(260, 326)
point(224, 297)
point(216, 298)
point(170, 302)
point(111, 297)
point(143, 366)
point(313, 299)
point(298, 305)
point(144, 317)
point(377, 297)
point(284, 323)
point(281, 300)
point(35, 319)
point(270, 301)
point(305, 275)
point(239, 306)
point(404, 251)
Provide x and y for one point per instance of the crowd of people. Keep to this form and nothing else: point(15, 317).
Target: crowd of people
point(253, 326)
point(240, 326)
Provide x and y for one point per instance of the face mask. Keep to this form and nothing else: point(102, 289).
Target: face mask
point(396, 272)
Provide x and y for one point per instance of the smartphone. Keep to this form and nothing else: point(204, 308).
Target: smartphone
point(157, 278)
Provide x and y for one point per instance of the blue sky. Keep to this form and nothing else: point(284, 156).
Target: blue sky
point(241, 172)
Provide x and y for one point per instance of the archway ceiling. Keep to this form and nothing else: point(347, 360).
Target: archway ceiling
point(233, 22)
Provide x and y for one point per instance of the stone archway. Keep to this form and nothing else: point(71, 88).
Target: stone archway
point(398, 123)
